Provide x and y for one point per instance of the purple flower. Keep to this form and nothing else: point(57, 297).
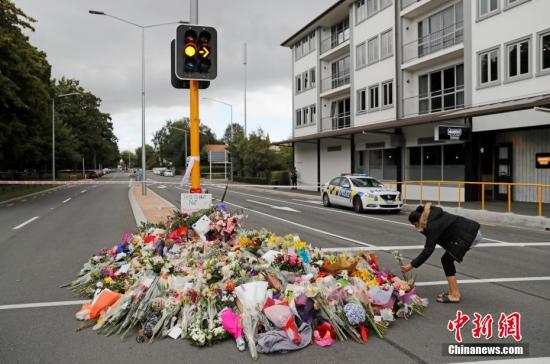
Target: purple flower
point(104, 272)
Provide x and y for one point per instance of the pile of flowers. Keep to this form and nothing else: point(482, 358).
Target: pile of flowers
point(204, 278)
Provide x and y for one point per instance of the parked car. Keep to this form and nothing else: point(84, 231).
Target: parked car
point(360, 192)
point(168, 173)
point(91, 174)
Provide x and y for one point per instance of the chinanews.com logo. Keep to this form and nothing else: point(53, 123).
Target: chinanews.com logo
point(507, 326)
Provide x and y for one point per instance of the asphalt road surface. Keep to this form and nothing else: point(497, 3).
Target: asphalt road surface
point(45, 240)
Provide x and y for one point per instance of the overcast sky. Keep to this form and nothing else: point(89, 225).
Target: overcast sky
point(104, 55)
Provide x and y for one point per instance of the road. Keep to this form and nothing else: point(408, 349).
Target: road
point(73, 223)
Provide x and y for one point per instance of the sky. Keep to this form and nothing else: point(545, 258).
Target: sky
point(105, 55)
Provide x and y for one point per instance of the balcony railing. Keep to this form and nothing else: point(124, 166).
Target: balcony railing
point(407, 3)
point(334, 40)
point(443, 100)
point(339, 121)
point(335, 81)
point(444, 38)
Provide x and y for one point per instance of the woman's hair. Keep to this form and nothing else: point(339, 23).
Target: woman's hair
point(414, 216)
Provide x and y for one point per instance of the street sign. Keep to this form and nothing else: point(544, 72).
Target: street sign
point(176, 82)
point(191, 202)
point(451, 132)
point(196, 52)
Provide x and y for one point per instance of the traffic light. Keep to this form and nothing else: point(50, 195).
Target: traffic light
point(196, 53)
point(176, 82)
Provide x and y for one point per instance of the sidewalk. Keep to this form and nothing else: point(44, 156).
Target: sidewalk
point(150, 208)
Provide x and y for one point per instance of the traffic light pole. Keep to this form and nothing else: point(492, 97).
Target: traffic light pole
point(194, 133)
point(194, 114)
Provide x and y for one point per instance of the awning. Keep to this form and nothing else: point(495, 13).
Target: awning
point(445, 116)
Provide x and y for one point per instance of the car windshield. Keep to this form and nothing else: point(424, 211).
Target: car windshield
point(365, 182)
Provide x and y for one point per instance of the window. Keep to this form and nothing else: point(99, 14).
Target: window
point(298, 83)
point(305, 115)
point(441, 90)
point(431, 159)
point(488, 67)
point(361, 100)
point(304, 46)
point(386, 44)
point(373, 50)
point(387, 94)
point(486, 8)
point(312, 41)
point(372, 7)
point(453, 162)
point(313, 114)
point(337, 148)
point(361, 55)
point(511, 3)
point(390, 164)
point(375, 163)
point(335, 181)
point(414, 165)
point(305, 78)
point(543, 52)
point(374, 97)
point(518, 59)
point(298, 117)
point(312, 77)
point(360, 11)
point(440, 30)
point(339, 33)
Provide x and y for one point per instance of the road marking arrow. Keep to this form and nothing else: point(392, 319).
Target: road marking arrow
point(284, 208)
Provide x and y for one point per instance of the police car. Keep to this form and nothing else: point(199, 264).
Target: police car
point(360, 192)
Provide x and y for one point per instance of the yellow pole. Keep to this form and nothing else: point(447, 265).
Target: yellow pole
point(483, 196)
point(459, 196)
point(509, 197)
point(194, 134)
point(539, 200)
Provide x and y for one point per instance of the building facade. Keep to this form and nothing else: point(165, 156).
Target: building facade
point(425, 90)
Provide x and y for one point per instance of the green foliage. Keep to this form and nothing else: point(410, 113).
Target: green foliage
point(26, 92)
point(151, 157)
point(169, 142)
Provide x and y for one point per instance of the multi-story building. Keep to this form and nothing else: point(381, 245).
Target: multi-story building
point(412, 89)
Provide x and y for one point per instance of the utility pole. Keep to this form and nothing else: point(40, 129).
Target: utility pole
point(244, 63)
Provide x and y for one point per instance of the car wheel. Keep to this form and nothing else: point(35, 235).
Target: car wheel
point(357, 205)
point(326, 200)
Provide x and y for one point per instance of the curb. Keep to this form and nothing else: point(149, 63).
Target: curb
point(32, 194)
point(498, 218)
point(139, 216)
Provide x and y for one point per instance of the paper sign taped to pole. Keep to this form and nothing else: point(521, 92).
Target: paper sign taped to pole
point(190, 165)
point(191, 202)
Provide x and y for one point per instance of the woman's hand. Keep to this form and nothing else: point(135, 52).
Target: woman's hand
point(406, 268)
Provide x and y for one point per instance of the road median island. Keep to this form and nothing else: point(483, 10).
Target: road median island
point(150, 208)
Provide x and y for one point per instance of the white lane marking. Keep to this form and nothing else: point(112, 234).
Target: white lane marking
point(301, 225)
point(83, 191)
point(327, 209)
point(486, 280)
point(285, 208)
point(308, 201)
point(418, 247)
point(43, 304)
point(94, 186)
point(25, 223)
point(161, 187)
point(67, 200)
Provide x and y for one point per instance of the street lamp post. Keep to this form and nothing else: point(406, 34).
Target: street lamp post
point(231, 109)
point(142, 27)
point(53, 129)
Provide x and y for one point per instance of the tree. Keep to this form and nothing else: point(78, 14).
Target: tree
point(169, 141)
point(129, 159)
point(25, 94)
point(237, 128)
point(151, 157)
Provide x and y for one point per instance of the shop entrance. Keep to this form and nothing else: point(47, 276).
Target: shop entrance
point(503, 169)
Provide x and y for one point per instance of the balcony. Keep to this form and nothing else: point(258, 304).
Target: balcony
point(336, 122)
point(451, 98)
point(411, 9)
point(335, 85)
point(433, 48)
point(335, 45)
point(407, 3)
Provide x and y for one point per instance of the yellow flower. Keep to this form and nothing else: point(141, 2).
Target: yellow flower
point(372, 282)
point(108, 280)
point(243, 242)
point(300, 245)
point(272, 240)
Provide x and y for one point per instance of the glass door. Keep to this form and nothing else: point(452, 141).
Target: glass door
point(503, 169)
